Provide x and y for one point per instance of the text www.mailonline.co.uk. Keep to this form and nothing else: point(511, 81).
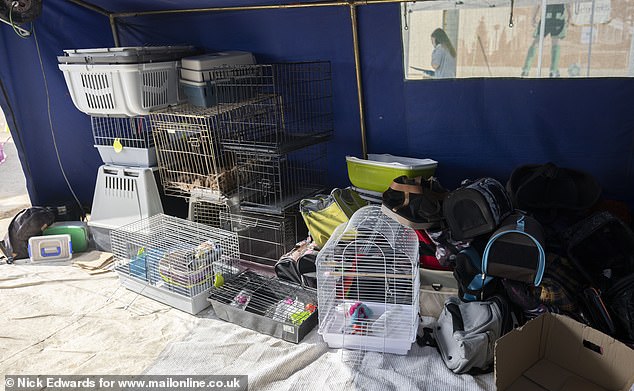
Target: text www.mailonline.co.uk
point(153, 382)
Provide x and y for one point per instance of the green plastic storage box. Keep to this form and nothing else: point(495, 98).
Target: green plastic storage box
point(379, 170)
point(78, 231)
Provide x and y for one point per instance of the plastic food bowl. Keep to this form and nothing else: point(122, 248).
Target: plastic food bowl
point(378, 172)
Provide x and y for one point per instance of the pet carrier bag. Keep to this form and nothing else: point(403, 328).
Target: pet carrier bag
point(468, 274)
point(298, 265)
point(476, 208)
point(436, 286)
point(415, 202)
point(27, 223)
point(323, 213)
point(602, 247)
point(516, 251)
point(466, 333)
point(548, 187)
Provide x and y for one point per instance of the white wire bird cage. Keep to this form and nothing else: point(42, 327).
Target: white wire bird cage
point(174, 261)
point(124, 141)
point(189, 152)
point(368, 286)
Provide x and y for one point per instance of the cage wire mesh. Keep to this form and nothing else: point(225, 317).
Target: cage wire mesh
point(266, 305)
point(189, 152)
point(270, 183)
point(131, 132)
point(368, 286)
point(282, 107)
point(264, 238)
point(205, 207)
point(173, 255)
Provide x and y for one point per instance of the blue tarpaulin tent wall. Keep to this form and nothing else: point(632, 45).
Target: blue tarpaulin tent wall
point(473, 127)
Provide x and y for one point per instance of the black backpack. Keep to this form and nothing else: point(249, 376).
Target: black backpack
point(602, 249)
point(27, 223)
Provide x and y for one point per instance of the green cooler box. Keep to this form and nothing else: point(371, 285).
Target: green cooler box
point(78, 231)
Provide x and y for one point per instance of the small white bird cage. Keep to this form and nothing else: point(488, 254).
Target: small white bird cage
point(368, 285)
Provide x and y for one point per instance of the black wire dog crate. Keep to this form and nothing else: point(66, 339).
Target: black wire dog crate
point(266, 305)
point(283, 106)
point(189, 152)
point(264, 238)
point(174, 261)
point(270, 183)
point(124, 141)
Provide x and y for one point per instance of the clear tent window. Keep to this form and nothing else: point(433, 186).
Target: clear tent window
point(557, 38)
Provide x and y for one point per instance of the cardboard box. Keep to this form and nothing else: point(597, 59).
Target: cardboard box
point(556, 353)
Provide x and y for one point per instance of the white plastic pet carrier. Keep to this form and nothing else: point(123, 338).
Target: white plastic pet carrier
point(368, 285)
point(122, 195)
point(122, 89)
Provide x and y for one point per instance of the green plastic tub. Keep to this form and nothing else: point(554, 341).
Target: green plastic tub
point(78, 231)
point(378, 172)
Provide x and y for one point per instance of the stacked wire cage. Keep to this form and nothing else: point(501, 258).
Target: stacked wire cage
point(271, 183)
point(293, 102)
point(190, 154)
point(368, 286)
point(266, 305)
point(253, 155)
point(174, 261)
point(278, 134)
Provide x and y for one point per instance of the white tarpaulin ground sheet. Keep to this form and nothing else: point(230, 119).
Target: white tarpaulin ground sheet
point(61, 319)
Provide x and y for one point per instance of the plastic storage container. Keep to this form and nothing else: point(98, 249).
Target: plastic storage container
point(199, 68)
point(125, 55)
point(78, 231)
point(122, 89)
point(378, 172)
point(50, 248)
